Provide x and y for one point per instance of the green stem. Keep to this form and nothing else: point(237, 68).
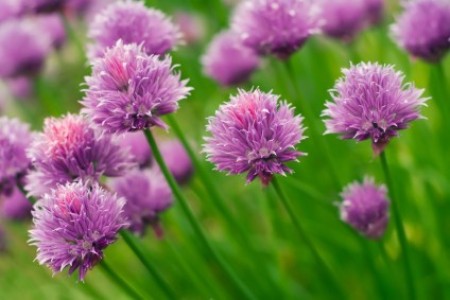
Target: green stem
point(119, 281)
point(193, 221)
point(287, 206)
point(71, 32)
point(130, 240)
point(400, 229)
point(310, 119)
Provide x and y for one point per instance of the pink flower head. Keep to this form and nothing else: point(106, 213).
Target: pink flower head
point(70, 149)
point(365, 207)
point(130, 90)
point(276, 27)
point(133, 23)
point(228, 61)
point(371, 102)
point(254, 133)
point(74, 224)
point(423, 29)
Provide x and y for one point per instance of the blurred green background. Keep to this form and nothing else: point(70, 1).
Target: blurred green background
point(260, 243)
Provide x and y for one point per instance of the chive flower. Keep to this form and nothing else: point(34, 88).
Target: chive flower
point(73, 225)
point(365, 207)
point(254, 133)
point(371, 101)
point(130, 90)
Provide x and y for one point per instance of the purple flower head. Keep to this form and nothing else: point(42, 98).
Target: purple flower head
point(254, 133)
point(15, 206)
point(374, 11)
point(276, 27)
point(53, 26)
point(228, 61)
point(423, 29)
point(371, 102)
point(73, 224)
point(147, 194)
point(365, 207)
point(23, 49)
point(343, 20)
point(15, 138)
point(139, 148)
point(177, 160)
point(129, 90)
point(133, 23)
point(70, 149)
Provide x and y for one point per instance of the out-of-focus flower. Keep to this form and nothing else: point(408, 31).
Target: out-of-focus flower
point(15, 206)
point(15, 138)
point(177, 160)
point(139, 148)
point(365, 208)
point(276, 27)
point(191, 26)
point(42, 6)
point(343, 20)
point(374, 11)
point(20, 87)
point(10, 9)
point(254, 133)
point(53, 26)
point(130, 90)
point(73, 225)
point(228, 61)
point(133, 23)
point(147, 195)
point(423, 29)
point(371, 102)
point(23, 48)
point(70, 149)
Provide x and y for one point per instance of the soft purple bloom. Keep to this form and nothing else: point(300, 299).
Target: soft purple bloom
point(10, 9)
point(343, 20)
point(20, 87)
point(371, 102)
point(147, 195)
point(177, 160)
point(53, 26)
point(365, 207)
point(130, 90)
point(43, 6)
point(133, 23)
point(23, 48)
point(254, 133)
point(70, 149)
point(192, 26)
point(423, 29)
point(73, 225)
point(276, 27)
point(139, 148)
point(15, 206)
point(228, 61)
point(374, 11)
point(15, 138)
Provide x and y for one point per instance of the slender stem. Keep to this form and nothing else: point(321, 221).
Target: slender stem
point(71, 32)
point(309, 117)
point(287, 206)
point(192, 220)
point(119, 281)
point(400, 229)
point(130, 240)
